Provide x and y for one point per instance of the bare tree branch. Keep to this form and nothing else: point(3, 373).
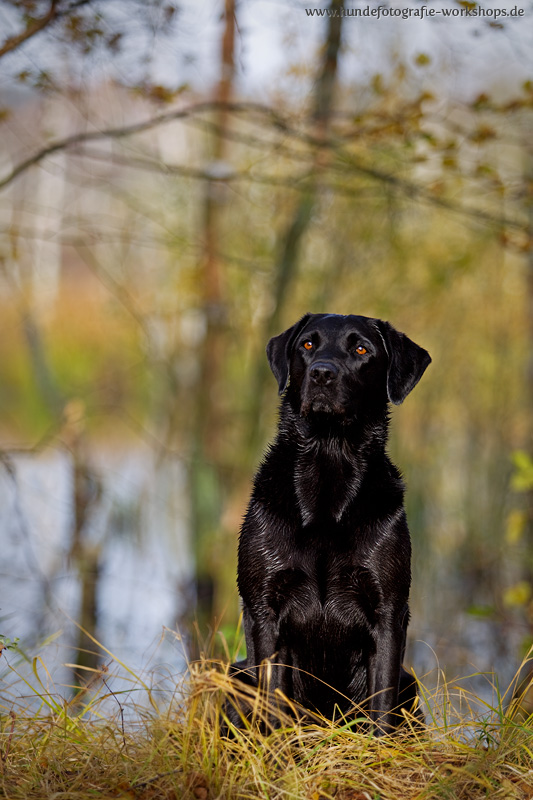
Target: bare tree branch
point(297, 182)
point(38, 25)
point(52, 15)
point(408, 188)
point(127, 130)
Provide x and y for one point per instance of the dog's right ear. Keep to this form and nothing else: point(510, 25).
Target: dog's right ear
point(279, 351)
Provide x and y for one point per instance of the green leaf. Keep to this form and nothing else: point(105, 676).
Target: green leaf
point(8, 644)
point(484, 612)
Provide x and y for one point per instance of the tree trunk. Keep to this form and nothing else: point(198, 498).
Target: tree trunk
point(290, 240)
point(83, 554)
point(205, 478)
point(86, 490)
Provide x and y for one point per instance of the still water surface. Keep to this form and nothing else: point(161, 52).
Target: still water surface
point(139, 525)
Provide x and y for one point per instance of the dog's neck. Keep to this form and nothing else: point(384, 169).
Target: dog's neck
point(327, 448)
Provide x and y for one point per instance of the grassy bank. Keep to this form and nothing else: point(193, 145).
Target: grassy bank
point(105, 746)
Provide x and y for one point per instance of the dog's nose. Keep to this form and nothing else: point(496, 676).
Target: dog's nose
point(323, 372)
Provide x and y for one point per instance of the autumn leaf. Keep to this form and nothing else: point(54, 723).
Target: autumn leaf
point(422, 59)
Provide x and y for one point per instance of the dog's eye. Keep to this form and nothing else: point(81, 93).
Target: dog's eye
point(360, 350)
point(308, 345)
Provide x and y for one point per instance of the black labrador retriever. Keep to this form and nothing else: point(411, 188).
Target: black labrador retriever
point(324, 553)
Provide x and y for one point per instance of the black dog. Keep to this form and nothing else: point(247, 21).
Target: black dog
point(324, 551)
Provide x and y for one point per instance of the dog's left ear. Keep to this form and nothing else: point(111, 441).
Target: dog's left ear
point(407, 362)
point(279, 351)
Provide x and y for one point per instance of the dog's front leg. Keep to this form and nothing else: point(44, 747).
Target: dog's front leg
point(384, 678)
point(271, 665)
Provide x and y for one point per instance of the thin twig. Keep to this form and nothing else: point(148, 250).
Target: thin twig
point(142, 784)
point(53, 14)
point(298, 183)
point(110, 690)
point(127, 130)
point(408, 188)
point(15, 41)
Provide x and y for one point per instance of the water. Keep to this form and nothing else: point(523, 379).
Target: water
point(139, 526)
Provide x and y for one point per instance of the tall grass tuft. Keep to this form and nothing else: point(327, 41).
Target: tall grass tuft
point(106, 745)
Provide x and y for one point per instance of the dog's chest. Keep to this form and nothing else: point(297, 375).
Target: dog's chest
point(324, 592)
point(325, 482)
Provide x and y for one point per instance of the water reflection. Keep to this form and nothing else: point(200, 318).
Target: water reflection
point(138, 528)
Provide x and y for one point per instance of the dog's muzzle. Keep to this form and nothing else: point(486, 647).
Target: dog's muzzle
point(322, 390)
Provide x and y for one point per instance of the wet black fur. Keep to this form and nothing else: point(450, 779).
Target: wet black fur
point(324, 551)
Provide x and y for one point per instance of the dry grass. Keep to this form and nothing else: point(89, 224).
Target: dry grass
point(83, 750)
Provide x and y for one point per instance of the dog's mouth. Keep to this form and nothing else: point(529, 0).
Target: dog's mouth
point(321, 403)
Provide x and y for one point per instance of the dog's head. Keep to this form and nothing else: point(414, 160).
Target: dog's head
point(344, 365)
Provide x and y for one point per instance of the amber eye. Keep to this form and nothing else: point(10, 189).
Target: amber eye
point(360, 350)
point(308, 345)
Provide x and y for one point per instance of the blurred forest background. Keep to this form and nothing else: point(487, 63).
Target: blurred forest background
point(178, 184)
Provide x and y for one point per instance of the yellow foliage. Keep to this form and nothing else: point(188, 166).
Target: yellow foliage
point(522, 478)
point(517, 595)
point(516, 523)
